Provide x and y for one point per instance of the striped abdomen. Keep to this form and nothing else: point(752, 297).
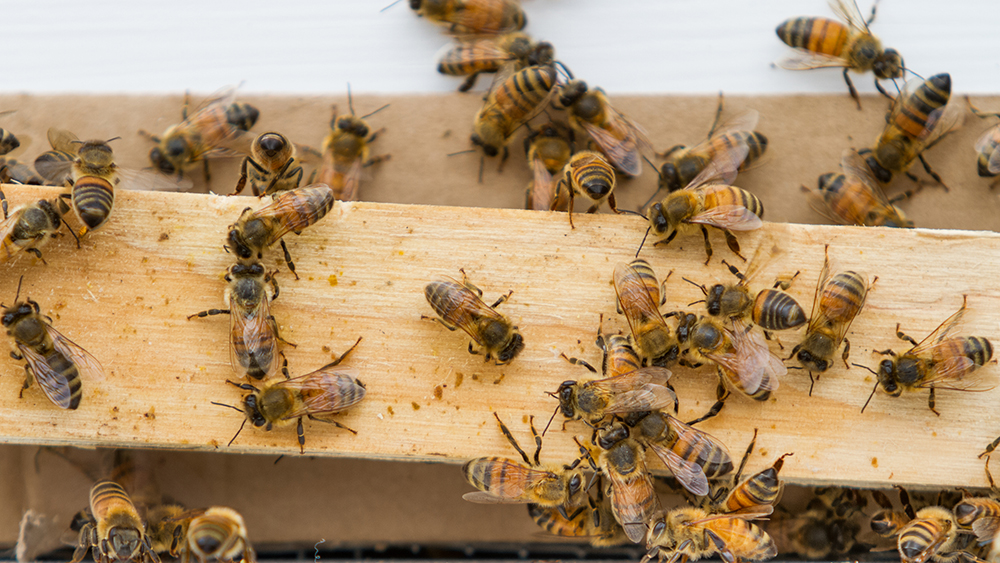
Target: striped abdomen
point(107, 497)
point(304, 206)
point(969, 510)
point(919, 537)
point(986, 146)
point(843, 296)
point(550, 520)
point(756, 142)
point(621, 357)
point(711, 457)
point(732, 195)
point(976, 348)
point(734, 382)
point(218, 534)
point(476, 55)
point(819, 35)
point(506, 479)
point(8, 141)
point(488, 16)
point(242, 115)
point(591, 175)
point(642, 273)
point(911, 118)
point(70, 379)
point(777, 310)
point(334, 390)
point(852, 201)
point(93, 199)
point(517, 98)
point(762, 489)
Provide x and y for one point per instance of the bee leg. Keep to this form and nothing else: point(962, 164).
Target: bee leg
point(344, 355)
point(187, 102)
point(902, 336)
point(376, 159)
point(29, 377)
point(475, 352)
point(812, 382)
point(569, 189)
point(302, 437)
point(785, 284)
point(82, 543)
point(70, 229)
point(881, 90)
point(503, 159)
point(715, 122)
point(850, 86)
point(989, 449)
point(3, 201)
point(847, 352)
point(469, 82)
point(312, 177)
point(537, 438)
point(722, 393)
point(38, 254)
point(210, 312)
point(708, 245)
point(374, 135)
point(510, 438)
point(733, 243)
point(435, 319)
point(150, 136)
point(502, 298)
point(208, 175)
point(468, 284)
point(720, 547)
point(930, 402)
point(178, 534)
point(989, 476)
point(288, 260)
point(242, 182)
point(746, 456)
point(333, 422)
point(577, 362)
point(932, 173)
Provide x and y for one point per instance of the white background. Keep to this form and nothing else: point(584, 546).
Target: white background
point(626, 46)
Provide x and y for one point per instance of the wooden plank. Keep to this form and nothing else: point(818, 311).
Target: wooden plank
point(126, 294)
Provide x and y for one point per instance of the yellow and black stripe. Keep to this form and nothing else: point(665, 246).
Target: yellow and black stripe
point(93, 200)
point(517, 98)
point(843, 296)
point(818, 35)
point(777, 310)
point(735, 196)
point(591, 175)
point(914, 110)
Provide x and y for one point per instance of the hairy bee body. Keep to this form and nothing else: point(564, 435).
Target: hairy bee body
point(513, 99)
point(346, 151)
point(933, 535)
point(715, 205)
point(684, 164)
point(708, 341)
point(458, 304)
point(484, 54)
point(855, 202)
point(271, 166)
point(114, 530)
point(512, 481)
point(589, 175)
point(988, 153)
point(8, 142)
point(693, 533)
point(13, 171)
point(548, 149)
point(473, 16)
point(218, 533)
point(591, 114)
point(595, 522)
point(622, 460)
point(639, 298)
point(29, 227)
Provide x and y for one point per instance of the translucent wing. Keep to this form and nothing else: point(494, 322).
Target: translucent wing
point(641, 393)
point(513, 489)
point(940, 334)
point(54, 384)
point(758, 365)
point(765, 253)
point(473, 49)
point(986, 528)
point(147, 180)
point(723, 167)
point(993, 165)
point(985, 141)
point(629, 494)
point(800, 59)
point(482, 16)
point(543, 189)
point(55, 166)
point(848, 11)
point(252, 338)
point(471, 305)
point(707, 448)
point(63, 140)
point(638, 305)
point(186, 515)
point(940, 122)
point(86, 364)
point(816, 318)
point(223, 97)
point(493, 100)
point(286, 209)
point(856, 167)
point(690, 475)
point(745, 121)
point(328, 390)
point(348, 190)
point(732, 217)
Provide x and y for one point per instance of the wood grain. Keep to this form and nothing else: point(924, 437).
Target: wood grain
point(126, 294)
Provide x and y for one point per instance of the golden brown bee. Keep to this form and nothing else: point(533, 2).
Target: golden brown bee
point(215, 127)
point(217, 533)
point(477, 54)
point(982, 516)
point(290, 211)
point(822, 42)
point(920, 116)
point(639, 299)
point(53, 360)
point(316, 396)
point(689, 534)
point(271, 166)
point(594, 522)
point(8, 141)
point(548, 149)
point(933, 535)
point(615, 135)
point(770, 308)
point(589, 175)
point(13, 171)
point(114, 531)
point(888, 521)
point(29, 227)
point(760, 490)
point(708, 201)
point(622, 460)
point(346, 151)
point(514, 98)
point(685, 163)
point(460, 305)
point(839, 298)
point(939, 360)
point(166, 526)
point(253, 332)
point(854, 197)
point(473, 16)
point(987, 147)
point(504, 481)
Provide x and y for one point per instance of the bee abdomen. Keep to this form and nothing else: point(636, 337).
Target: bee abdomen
point(489, 474)
point(777, 310)
point(932, 94)
point(595, 176)
point(93, 199)
point(71, 375)
point(242, 115)
point(844, 295)
point(978, 349)
point(552, 522)
point(819, 35)
point(917, 537)
point(104, 495)
point(988, 148)
point(525, 90)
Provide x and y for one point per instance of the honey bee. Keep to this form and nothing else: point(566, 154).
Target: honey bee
point(818, 533)
point(888, 521)
point(708, 201)
point(271, 166)
point(253, 332)
point(987, 147)
point(639, 298)
point(622, 460)
point(691, 533)
point(839, 298)
point(473, 16)
point(933, 535)
point(113, 529)
point(938, 361)
point(217, 126)
point(982, 516)
point(316, 396)
point(53, 360)
point(921, 115)
point(514, 98)
point(685, 163)
point(290, 211)
point(588, 174)
point(548, 149)
point(346, 151)
point(216, 533)
point(460, 305)
point(13, 171)
point(504, 481)
point(854, 197)
point(615, 135)
point(822, 42)
point(29, 227)
point(594, 522)
point(758, 491)
point(166, 526)
point(477, 54)
point(770, 308)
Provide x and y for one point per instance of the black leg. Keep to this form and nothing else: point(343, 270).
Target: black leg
point(708, 245)
point(930, 402)
point(901, 336)
point(850, 86)
point(510, 438)
point(932, 173)
point(469, 82)
point(538, 439)
point(288, 259)
point(344, 355)
point(847, 352)
point(210, 312)
point(502, 298)
point(578, 362)
point(733, 243)
point(302, 437)
point(242, 182)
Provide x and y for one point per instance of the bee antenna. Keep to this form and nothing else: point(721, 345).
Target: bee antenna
point(793, 367)
point(237, 432)
point(461, 152)
point(551, 417)
point(630, 212)
point(18, 294)
point(350, 101)
point(229, 406)
point(643, 242)
point(869, 396)
point(389, 6)
point(699, 286)
point(76, 141)
point(565, 69)
point(113, 139)
point(875, 373)
point(650, 162)
point(369, 114)
point(910, 70)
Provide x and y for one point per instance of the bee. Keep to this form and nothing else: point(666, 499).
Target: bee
point(589, 175)
point(504, 481)
point(757, 492)
point(473, 16)
point(615, 135)
point(685, 163)
point(548, 149)
point(316, 396)
point(987, 147)
point(982, 516)
point(216, 533)
point(166, 526)
point(53, 360)
point(271, 166)
point(290, 211)
point(113, 528)
point(253, 332)
point(595, 522)
point(346, 151)
point(854, 197)
point(838, 300)
point(933, 535)
point(13, 171)
point(29, 227)
point(514, 98)
point(639, 298)
point(770, 308)
point(938, 361)
point(708, 201)
point(621, 458)
point(742, 359)
point(821, 531)
point(692, 533)
point(822, 42)
point(215, 127)
point(477, 54)
point(888, 521)
point(460, 305)
point(921, 115)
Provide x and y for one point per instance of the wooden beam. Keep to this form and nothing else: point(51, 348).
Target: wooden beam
point(125, 297)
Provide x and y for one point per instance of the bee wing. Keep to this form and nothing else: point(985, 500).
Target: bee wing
point(473, 307)
point(757, 364)
point(767, 250)
point(940, 122)
point(855, 167)
point(285, 207)
point(224, 96)
point(993, 165)
point(940, 334)
point(484, 48)
point(633, 380)
point(53, 384)
point(501, 76)
point(746, 513)
point(63, 140)
point(349, 191)
point(986, 528)
point(55, 171)
point(518, 478)
point(704, 443)
point(330, 393)
point(8, 249)
point(723, 167)
point(641, 303)
point(815, 317)
point(186, 515)
point(623, 144)
point(543, 189)
point(800, 59)
point(86, 364)
point(690, 475)
point(482, 497)
point(252, 336)
point(952, 372)
point(848, 11)
point(628, 496)
point(649, 397)
point(732, 217)
point(147, 180)
point(984, 141)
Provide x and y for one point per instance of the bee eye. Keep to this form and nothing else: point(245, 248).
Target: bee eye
point(361, 130)
point(344, 123)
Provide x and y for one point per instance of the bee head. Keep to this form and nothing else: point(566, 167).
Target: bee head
point(160, 161)
point(657, 220)
point(807, 359)
point(669, 176)
point(572, 92)
point(242, 116)
point(253, 411)
point(889, 65)
point(825, 180)
point(512, 349)
point(272, 144)
point(124, 543)
point(565, 394)
point(237, 244)
point(17, 312)
point(611, 435)
point(488, 149)
point(575, 484)
point(96, 153)
point(887, 378)
point(668, 358)
point(543, 54)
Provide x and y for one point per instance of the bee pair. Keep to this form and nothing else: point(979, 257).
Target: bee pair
point(932, 533)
